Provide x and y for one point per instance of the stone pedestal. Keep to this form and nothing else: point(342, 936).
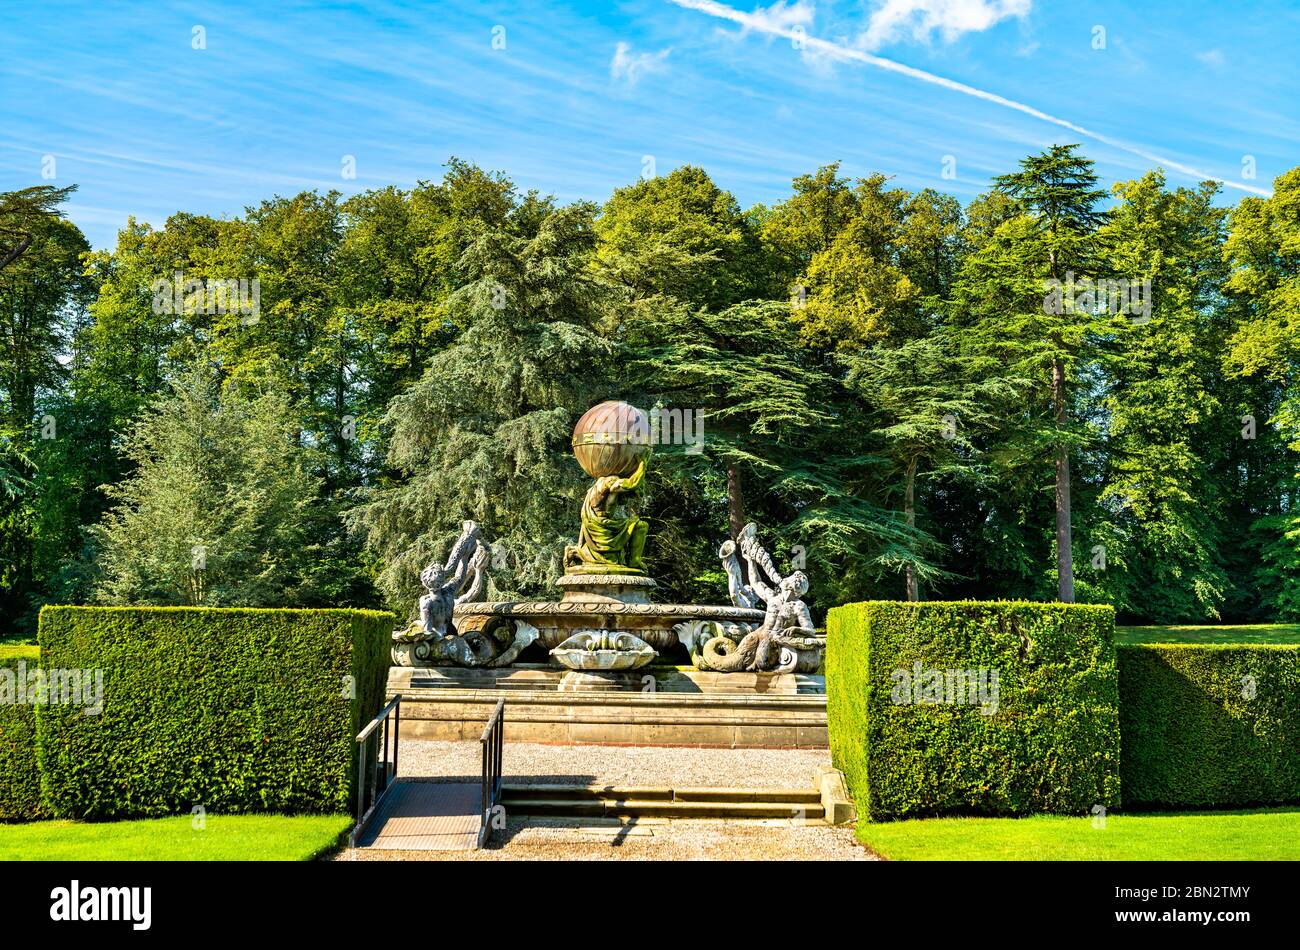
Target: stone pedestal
point(606, 588)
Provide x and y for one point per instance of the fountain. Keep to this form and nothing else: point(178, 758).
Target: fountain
point(605, 630)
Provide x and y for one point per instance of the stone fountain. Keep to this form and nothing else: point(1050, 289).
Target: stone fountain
point(606, 625)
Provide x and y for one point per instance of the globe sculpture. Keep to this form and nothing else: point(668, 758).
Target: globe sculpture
point(612, 444)
point(611, 439)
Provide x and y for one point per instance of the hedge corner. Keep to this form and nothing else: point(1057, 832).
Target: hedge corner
point(979, 708)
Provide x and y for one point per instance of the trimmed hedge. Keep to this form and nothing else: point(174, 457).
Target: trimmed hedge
point(234, 710)
point(1052, 745)
point(1207, 725)
point(20, 776)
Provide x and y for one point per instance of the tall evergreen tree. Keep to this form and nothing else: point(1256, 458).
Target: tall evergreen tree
point(928, 397)
point(484, 433)
point(1005, 292)
point(43, 296)
point(1263, 252)
point(216, 510)
point(1166, 423)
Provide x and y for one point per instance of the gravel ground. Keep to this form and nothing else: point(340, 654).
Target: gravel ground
point(530, 763)
point(553, 839)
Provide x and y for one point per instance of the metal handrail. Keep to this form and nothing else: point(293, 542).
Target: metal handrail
point(380, 717)
point(375, 772)
point(492, 743)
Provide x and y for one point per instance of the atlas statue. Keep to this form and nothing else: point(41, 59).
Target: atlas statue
point(612, 444)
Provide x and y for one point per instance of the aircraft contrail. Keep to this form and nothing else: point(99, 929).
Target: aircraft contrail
point(838, 51)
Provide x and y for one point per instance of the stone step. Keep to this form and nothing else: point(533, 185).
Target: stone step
point(659, 808)
point(800, 796)
point(585, 792)
point(660, 793)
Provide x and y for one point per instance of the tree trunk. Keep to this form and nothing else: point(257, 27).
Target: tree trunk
point(909, 511)
point(735, 502)
point(1064, 541)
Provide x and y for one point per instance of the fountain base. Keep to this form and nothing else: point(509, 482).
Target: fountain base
point(685, 707)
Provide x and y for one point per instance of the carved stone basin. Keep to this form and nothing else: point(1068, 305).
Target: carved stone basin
point(557, 621)
point(604, 651)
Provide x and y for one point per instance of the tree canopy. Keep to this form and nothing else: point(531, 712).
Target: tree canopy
point(1053, 391)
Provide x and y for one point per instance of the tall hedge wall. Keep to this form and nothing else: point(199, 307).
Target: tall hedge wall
point(1052, 745)
point(1208, 725)
point(20, 777)
point(231, 710)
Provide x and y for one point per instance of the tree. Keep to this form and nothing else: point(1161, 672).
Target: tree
point(216, 510)
point(40, 298)
point(24, 214)
point(399, 264)
point(1168, 428)
point(1006, 287)
point(855, 294)
point(1263, 253)
point(15, 483)
point(43, 294)
point(484, 433)
point(768, 422)
point(680, 236)
point(806, 223)
point(681, 240)
point(928, 397)
point(13, 468)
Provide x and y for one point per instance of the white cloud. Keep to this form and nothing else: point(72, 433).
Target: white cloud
point(630, 67)
point(841, 53)
point(893, 19)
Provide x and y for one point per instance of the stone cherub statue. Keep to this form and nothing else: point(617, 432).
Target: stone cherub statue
point(434, 640)
point(774, 646)
point(460, 580)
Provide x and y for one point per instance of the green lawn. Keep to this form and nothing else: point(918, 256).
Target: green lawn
point(19, 651)
point(224, 838)
point(1266, 834)
point(1251, 633)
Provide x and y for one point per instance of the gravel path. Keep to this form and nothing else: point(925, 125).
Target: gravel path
point(529, 763)
point(550, 839)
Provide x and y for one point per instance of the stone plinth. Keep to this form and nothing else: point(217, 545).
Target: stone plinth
point(606, 588)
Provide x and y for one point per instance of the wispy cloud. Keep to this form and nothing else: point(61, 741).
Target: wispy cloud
point(1213, 58)
point(949, 18)
point(845, 53)
point(630, 67)
point(782, 16)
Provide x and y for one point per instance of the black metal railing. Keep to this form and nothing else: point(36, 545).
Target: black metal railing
point(376, 770)
point(493, 744)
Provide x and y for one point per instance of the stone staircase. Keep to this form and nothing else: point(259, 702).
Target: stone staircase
point(826, 801)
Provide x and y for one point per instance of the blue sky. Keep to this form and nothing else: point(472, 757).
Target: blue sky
point(583, 92)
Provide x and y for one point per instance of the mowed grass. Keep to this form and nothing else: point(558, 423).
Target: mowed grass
point(223, 838)
point(19, 651)
point(1250, 633)
point(1266, 834)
